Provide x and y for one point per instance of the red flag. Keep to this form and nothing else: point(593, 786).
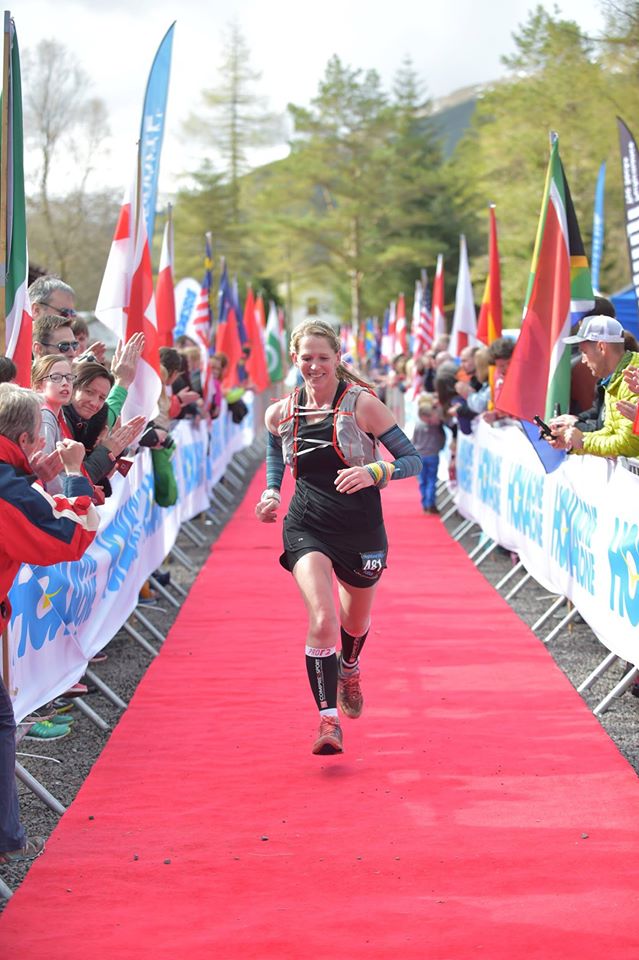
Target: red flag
point(439, 317)
point(164, 292)
point(401, 334)
point(260, 312)
point(489, 324)
point(256, 363)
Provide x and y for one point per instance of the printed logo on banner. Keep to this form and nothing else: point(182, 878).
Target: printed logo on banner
point(191, 462)
point(50, 598)
point(465, 464)
point(574, 525)
point(623, 557)
point(525, 502)
point(120, 539)
point(489, 478)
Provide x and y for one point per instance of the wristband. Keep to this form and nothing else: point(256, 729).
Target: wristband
point(271, 495)
point(381, 471)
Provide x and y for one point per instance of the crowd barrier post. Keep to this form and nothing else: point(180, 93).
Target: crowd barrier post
point(193, 535)
point(480, 546)
point(137, 636)
point(91, 714)
point(146, 623)
point(518, 586)
point(449, 513)
point(181, 557)
point(179, 589)
point(548, 614)
point(106, 690)
point(617, 691)
point(570, 616)
point(38, 789)
point(462, 529)
point(492, 546)
point(599, 671)
point(508, 577)
point(163, 592)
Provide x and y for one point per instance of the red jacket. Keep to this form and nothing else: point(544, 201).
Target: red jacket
point(36, 527)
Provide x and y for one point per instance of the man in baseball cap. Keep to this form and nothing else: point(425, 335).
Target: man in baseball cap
point(601, 344)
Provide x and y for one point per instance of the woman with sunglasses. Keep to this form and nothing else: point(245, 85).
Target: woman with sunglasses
point(52, 378)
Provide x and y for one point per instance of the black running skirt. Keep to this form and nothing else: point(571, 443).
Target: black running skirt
point(359, 565)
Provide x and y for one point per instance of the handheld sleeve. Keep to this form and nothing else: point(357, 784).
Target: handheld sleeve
point(408, 462)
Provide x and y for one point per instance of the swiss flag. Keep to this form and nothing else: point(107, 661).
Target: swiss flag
point(126, 305)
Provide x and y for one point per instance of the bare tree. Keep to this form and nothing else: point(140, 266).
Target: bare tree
point(64, 127)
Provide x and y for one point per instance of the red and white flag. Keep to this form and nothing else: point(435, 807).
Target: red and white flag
point(164, 291)
point(401, 333)
point(126, 305)
point(464, 332)
point(439, 317)
point(422, 318)
point(198, 329)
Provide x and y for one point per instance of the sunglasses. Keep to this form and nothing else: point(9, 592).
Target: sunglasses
point(64, 346)
point(67, 312)
point(59, 377)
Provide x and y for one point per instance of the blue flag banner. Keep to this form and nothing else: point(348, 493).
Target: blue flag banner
point(549, 457)
point(598, 228)
point(152, 127)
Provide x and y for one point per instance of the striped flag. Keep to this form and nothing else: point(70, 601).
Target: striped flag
point(559, 292)
point(423, 330)
point(164, 291)
point(17, 311)
point(227, 337)
point(199, 325)
point(464, 329)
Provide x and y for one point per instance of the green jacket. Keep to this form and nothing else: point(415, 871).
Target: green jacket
point(615, 439)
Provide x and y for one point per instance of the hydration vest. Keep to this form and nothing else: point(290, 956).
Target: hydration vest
point(351, 444)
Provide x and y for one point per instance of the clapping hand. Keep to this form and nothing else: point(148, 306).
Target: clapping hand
point(125, 360)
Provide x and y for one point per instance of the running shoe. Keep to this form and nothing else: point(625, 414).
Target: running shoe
point(349, 692)
point(330, 737)
point(31, 850)
point(45, 730)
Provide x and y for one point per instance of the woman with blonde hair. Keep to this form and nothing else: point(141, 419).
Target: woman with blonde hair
point(52, 378)
point(327, 431)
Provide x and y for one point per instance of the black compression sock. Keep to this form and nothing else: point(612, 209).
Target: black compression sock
point(351, 646)
point(322, 675)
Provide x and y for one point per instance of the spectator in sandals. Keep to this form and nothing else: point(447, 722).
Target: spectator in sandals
point(34, 528)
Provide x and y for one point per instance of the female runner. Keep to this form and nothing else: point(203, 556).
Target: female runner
point(327, 432)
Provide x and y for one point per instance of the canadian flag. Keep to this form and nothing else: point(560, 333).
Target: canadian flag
point(126, 305)
point(164, 292)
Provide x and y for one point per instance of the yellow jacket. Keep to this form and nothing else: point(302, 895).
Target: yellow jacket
point(615, 439)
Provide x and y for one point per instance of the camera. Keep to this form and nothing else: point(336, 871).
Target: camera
point(150, 438)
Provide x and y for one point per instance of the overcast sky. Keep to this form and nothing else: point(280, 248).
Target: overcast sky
point(453, 43)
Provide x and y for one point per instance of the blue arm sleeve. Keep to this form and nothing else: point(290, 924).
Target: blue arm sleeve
point(275, 461)
point(407, 462)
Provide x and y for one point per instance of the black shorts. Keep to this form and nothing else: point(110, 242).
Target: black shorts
point(357, 567)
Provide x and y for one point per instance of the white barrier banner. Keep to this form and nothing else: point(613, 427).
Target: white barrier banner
point(573, 529)
point(63, 614)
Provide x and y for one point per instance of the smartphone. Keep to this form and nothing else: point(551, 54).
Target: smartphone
point(545, 429)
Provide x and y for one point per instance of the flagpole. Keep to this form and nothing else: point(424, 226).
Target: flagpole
point(4, 176)
point(4, 196)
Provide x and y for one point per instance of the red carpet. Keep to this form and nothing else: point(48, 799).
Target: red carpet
point(479, 809)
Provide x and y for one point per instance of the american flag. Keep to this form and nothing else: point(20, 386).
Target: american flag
point(200, 323)
point(423, 331)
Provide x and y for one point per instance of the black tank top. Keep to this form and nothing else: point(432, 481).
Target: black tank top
point(316, 503)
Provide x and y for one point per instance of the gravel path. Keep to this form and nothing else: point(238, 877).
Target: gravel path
point(67, 762)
